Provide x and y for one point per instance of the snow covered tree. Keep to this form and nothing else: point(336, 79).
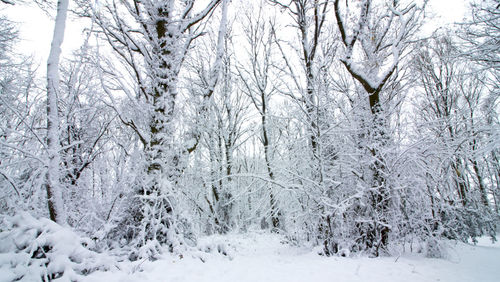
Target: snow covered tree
point(302, 77)
point(257, 81)
point(453, 93)
point(85, 132)
point(152, 38)
point(308, 18)
point(19, 130)
point(375, 36)
point(229, 111)
point(481, 37)
point(220, 112)
point(53, 184)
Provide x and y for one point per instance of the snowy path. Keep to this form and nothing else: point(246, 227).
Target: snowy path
point(259, 258)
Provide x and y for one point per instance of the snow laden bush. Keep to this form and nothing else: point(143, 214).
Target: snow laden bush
point(41, 250)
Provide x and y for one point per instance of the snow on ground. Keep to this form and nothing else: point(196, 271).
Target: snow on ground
point(262, 257)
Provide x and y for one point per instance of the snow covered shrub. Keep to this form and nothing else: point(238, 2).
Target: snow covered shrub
point(435, 248)
point(216, 246)
point(464, 223)
point(41, 250)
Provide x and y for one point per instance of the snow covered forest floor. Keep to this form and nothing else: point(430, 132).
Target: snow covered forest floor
point(265, 257)
point(41, 250)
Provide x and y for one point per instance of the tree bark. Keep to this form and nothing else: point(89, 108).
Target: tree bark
point(53, 185)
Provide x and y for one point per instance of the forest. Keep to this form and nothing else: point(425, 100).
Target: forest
point(346, 126)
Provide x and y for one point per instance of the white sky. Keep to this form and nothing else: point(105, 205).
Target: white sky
point(449, 10)
point(446, 12)
point(36, 30)
point(36, 27)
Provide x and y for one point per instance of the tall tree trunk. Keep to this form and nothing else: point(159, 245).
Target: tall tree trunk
point(54, 193)
point(267, 143)
point(380, 194)
point(310, 44)
point(372, 77)
point(482, 187)
point(461, 183)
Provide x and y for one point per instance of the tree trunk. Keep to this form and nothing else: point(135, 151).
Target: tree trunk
point(54, 193)
point(482, 187)
point(266, 143)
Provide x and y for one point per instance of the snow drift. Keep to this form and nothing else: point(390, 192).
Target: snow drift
point(39, 249)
